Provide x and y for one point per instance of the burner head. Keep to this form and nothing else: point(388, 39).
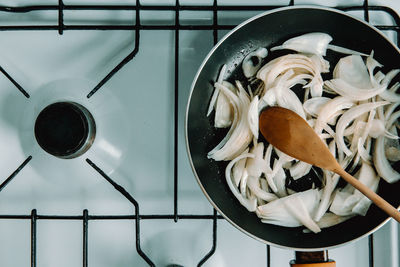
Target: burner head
point(65, 129)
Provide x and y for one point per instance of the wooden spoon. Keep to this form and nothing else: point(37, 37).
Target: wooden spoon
point(292, 135)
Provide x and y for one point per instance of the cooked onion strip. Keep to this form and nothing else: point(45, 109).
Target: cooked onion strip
point(216, 90)
point(250, 204)
point(255, 187)
point(348, 117)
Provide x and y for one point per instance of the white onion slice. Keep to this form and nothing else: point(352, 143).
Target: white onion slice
point(352, 70)
point(252, 116)
point(255, 187)
point(297, 208)
point(240, 137)
point(344, 50)
point(238, 169)
point(330, 183)
point(381, 163)
point(248, 66)
point(314, 105)
point(299, 169)
point(348, 117)
point(372, 64)
point(268, 171)
point(309, 43)
point(339, 205)
point(330, 219)
point(279, 180)
point(275, 212)
point(330, 109)
point(249, 204)
point(342, 88)
point(256, 166)
point(223, 112)
point(390, 75)
point(216, 90)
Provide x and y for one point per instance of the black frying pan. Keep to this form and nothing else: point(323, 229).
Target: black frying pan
point(267, 30)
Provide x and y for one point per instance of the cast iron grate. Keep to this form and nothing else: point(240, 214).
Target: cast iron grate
point(137, 27)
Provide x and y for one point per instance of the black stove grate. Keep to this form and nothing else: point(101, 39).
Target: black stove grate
point(137, 28)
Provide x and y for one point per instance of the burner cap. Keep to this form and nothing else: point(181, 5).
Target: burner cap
point(65, 129)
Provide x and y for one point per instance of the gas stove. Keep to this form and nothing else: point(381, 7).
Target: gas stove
point(123, 193)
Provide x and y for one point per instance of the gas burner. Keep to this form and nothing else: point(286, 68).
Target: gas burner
point(65, 129)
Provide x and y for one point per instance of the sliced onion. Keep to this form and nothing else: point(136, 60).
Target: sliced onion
point(252, 116)
point(276, 212)
point(268, 171)
point(339, 205)
point(238, 169)
point(352, 70)
point(255, 187)
point(344, 50)
point(354, 93)
point(372, 64)
point(280, 182)
point(299, 169)
point(249, 204)
point(239, 138)
point(250, 67)
point(364, 154)
point(330, 219)
point(390, 96)
point(256, 166)
point(349, 116)
point(243, 184)
point(223, 112)
point(390, 75)
point(330, 183)
point(216, 90)
point(300, 64)
point(309, 43)
point(314, 105)
point(297, 208)
point(381, 163)
point(330, 109)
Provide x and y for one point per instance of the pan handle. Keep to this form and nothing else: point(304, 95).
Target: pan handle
point(319, 264)
point(312, 259)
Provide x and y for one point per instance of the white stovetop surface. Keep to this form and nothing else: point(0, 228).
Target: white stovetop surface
point(136, 150)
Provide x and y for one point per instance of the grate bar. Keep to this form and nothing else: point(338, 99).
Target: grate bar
point(125, 60)
point(112, 217)
point(130, 199)
point(33, 238)
point(85, 238)
point(12, 176)
point(366, 11)
point(60, 17)
point(215, 22)
point(25, 9)
point(176, 111)
point(112, 27)
point(19, 87)
point(371, 250)
point(134, 27)
point(214, 241)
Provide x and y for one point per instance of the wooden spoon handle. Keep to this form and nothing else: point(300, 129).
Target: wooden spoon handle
point(380, 202)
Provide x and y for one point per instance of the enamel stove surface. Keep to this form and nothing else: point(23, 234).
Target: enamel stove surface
point(136, 143)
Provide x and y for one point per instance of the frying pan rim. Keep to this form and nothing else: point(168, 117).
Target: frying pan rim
point(200, 69)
